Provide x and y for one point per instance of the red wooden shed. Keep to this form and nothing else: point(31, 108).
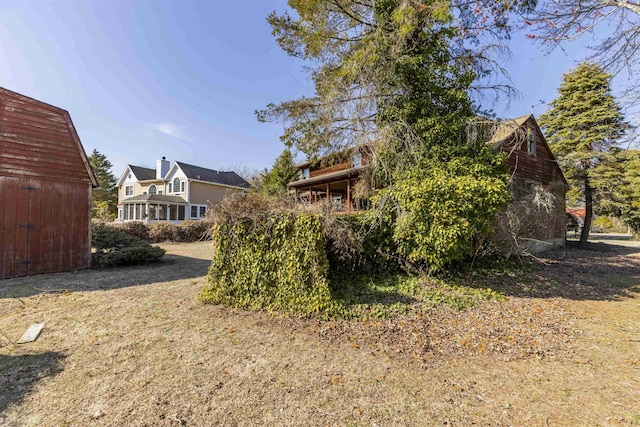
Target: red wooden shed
point(45, 190)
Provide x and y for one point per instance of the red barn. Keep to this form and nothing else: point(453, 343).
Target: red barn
point(45, 190)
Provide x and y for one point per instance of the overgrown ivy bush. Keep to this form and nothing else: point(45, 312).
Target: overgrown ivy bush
point(114, 247)
point(267, 256)
point(360, 241)
point(440, 206)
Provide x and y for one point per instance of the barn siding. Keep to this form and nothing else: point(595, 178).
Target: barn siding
point(37, 140)
point(45, 190)
point(59, 235)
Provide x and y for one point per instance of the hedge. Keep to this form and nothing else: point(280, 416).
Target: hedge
point(187, 231)
point(275, 262)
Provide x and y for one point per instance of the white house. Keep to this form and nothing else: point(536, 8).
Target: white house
point(173, 193)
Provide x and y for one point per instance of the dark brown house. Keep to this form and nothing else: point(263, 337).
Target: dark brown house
point(532, 164)
point(332, 179)
point(535, 172)
point(45, 190)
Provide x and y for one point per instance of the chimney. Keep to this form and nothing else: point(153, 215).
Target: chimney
point(162, 167)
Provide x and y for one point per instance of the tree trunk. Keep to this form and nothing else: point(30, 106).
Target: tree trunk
point(588, 212)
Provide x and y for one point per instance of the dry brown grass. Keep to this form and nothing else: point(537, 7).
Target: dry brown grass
point(133, 346)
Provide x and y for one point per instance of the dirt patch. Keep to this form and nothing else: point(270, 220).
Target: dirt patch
point(133, 346)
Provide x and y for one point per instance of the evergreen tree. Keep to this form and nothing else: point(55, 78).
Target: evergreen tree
point(397, 75)
point(104, 197)
point(274, 182)
point(617, 183)
point(383, 70)
point(582, 126)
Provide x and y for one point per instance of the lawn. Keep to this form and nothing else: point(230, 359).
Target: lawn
point(134, 346)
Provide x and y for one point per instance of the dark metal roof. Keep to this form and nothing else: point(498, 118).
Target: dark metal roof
point(156, 198)
point(210, 175)
point(143, 173)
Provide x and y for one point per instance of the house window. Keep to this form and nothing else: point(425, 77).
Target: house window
point(305, 173)
point(176, 185)
point(198, 211)
point(182, 186)
point(152, 189)
point(170, 188)
point(181, 210)
point(356, 160)
point(159, 192)
point(531, 140)
point(128, 190)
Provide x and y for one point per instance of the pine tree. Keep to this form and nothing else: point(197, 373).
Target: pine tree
point(274, 182)
point(617, 183)
point(385, 70)
point(104, 197)
point(582, 126)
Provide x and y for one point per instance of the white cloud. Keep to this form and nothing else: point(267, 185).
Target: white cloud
point(170, 129)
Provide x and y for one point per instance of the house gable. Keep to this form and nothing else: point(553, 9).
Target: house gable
point(175, 176)
point(538, 165)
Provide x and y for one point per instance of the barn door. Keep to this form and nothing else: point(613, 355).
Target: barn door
point(19, 237)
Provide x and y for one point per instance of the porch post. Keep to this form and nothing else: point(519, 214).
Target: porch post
point(146, 211)
point(348, 195)
point(328, 190)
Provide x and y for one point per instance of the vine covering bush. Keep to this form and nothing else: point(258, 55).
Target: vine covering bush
point(114, 247)
point(267, 257)
point(360, 241)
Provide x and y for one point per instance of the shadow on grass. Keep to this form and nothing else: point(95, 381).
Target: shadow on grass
point(597, 271)
point(19, 375)
point(170, 268)
point(356, 289)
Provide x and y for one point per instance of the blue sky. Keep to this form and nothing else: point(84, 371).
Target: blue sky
point(182, 79)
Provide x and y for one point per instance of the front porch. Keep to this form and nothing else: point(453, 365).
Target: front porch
point(150, 208)
point(336, 188)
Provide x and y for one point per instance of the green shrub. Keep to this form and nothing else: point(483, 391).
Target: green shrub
point(268, 259)
point(605, 224)
point(114, 247)
point(440, 208)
